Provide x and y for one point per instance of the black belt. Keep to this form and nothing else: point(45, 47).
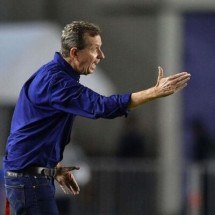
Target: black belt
point(32, 171)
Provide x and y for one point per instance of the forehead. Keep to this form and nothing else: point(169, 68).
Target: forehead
point(93, 40)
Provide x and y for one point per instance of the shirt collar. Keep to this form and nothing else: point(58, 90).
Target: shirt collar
point(67, 68)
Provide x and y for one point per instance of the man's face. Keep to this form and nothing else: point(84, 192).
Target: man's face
point(90, 56)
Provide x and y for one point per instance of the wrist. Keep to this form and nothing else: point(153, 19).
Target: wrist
point(58, 165)
point(142, 97)
point(153, 92)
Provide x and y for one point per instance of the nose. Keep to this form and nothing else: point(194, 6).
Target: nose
point(101, 55)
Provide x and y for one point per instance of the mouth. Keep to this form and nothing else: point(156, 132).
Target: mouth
point(94, 65)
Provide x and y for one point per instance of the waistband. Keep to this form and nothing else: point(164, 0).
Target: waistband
point(32, 171)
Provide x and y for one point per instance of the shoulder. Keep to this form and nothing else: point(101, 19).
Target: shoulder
point(49, 74)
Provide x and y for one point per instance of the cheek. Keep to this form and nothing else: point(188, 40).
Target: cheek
point(83, 62)
point(85, 65)
point(86, 61)
point(89, 61)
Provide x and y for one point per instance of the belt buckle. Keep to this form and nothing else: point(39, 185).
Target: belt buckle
point(49, 172)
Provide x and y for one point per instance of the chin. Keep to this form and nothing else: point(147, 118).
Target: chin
point(90, 72)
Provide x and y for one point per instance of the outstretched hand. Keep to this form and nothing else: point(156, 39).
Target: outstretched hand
point(66, 180)
point(168, 85)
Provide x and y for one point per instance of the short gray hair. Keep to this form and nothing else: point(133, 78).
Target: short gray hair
point(73, 35)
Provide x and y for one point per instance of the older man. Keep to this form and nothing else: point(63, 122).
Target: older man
point(47, 106)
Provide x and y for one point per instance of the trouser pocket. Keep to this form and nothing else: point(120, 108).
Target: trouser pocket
point(16, 195)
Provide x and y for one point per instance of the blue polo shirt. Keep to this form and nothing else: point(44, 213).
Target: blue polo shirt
point(45, 111)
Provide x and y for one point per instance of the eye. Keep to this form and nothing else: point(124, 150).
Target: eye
point(94, 50)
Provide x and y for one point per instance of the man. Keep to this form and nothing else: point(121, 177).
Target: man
point(45, 111)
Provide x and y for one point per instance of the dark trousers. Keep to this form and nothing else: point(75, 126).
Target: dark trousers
point(31, 194)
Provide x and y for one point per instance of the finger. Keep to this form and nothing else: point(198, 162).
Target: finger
point(74, 183)
point(180, 87)
point(71, 183)
point(72, 190)
point(180, 83)
point(172, 88)
point(76, 168)
point(64, 190)
point(179, 80)
point(76, 192)
point(179, 75)
point(63, 186)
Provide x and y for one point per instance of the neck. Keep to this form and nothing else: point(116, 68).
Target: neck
point(71, 63)
point(68, 60)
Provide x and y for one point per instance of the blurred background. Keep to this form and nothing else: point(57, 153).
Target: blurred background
point(159, 160)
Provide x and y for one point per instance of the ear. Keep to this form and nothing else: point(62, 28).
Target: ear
point(73, 53)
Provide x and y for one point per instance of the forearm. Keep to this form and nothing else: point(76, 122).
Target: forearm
point(141, 97)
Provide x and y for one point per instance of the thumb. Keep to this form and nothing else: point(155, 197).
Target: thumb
point(160, 74)
point(70, 168)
